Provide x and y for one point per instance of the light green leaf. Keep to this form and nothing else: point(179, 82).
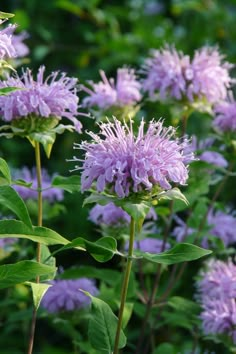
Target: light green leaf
point(102, 327)
point(70, 184)
point(99, 199)
point(11, 200)
point(38, 291)
point(137, 211)
point(172, 194)
point(5, 170)
point(182, 252)
point(102, 250)
point(6, 90)
point(17, 229)
point(5, 15)
point(11, 274)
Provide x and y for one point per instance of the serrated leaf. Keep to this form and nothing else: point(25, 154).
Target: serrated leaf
point(70, 184)
point(102, 326)
point(5, 170)
point(182, 252)
point(11, 200)
point(102, 250)
point(12, 274)
point(38, 291)
point(17, 229)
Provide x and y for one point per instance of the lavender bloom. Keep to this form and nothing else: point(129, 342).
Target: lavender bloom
point(66, 295)
point(107, 93)
point(214, 158)
point(56, 96)
point(49, 194)
point(216, 293)
point(151, 245)
point(167, 71)
point(211, 77)
point(22, 50)
point(7, 49)
point(225, 119)
point(123, 163)
point(221, 225)
point(174, 75)
point(5, 242)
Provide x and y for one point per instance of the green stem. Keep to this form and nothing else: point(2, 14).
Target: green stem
point(38, 250)
point(125, 285)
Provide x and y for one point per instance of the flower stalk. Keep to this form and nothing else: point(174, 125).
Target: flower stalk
point(125, 284)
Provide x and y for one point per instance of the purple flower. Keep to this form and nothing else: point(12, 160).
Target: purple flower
point(216, 294)
point(5, 242)
point(66, 295)
point(225, 119)
point(221, 225)
point(107, 93)
point(30, 176)
point(123, 163)
point(111, 214)
point(214, 158)
point(53, 97)
point(151, 245)
point(167, 72)
point(21, 48)
point(210, 75)
point(174, 75)
point(7, 49)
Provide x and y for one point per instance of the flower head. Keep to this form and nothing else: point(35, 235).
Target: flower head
point(151, 245)
point(53, 97)
point(108, 93)
point(123, 163)
point(225, 119)
point(49, 194)
point(174, 75)
point(214, 157)
point(216, 294)
point(21, 48)
point(66, 295)
point(7, 49)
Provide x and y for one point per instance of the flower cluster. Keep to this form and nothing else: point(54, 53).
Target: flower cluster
point(225, 119)
point(221, 225)
point(217, 293)
point(123, 163)
point(7, 49)
point(66, 295)
point(53, 97)
point(108, 93)
point(50, 194)
point(173, 74)
point(151, 245)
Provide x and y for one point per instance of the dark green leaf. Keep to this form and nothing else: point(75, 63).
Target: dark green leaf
point(11, 200)
point(70, 184)
point(102, 327)
point(182, 252)
point(11, 274)
point(17, 229)
point(165, 348)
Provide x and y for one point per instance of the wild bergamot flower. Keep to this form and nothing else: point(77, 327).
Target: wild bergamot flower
point(122, 163)
point(7, 49)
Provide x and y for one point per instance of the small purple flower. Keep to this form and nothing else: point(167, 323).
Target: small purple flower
point(22, 50)
point(214, 158)
point(66, 295)
point(151, 245)
point(30, 176)
point(7, 49)
point(123, 163)
point(107, 93)
point(53, 97)
point(225, 119)
point(181, 230)
point(211, 77)
point(173, 75)
point(216, 294)
point(167, 72)
point(6, 242)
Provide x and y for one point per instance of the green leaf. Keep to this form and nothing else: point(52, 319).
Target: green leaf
point(4, 169)
point(102, 327)
point(70, 184)
point(45, 138)
point(38, 291)
point(182, 252)
point(16, 228)
point(11, 200)
point(6, 15)
point(172, 194)
point(6, 90)
point(99, 198)
point(102, 250)
point(165, 348)
point(137, 211)
point(11, 274)
point(181, 304)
